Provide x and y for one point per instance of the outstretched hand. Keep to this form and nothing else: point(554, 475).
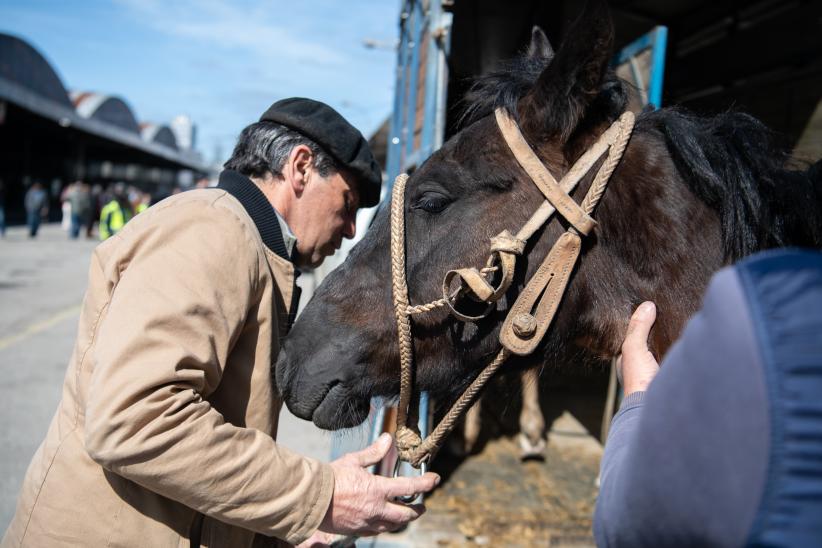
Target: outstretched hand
point(636, 366)
point(363, 504)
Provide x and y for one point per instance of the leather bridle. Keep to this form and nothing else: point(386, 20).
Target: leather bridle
point(531, 314)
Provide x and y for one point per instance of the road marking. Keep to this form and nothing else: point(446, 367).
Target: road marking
point(35, 328)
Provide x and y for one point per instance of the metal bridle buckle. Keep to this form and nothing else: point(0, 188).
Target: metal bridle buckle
point(408, 499)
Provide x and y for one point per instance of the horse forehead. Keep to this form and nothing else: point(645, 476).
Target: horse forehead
point(481, 135)
point(476, 147)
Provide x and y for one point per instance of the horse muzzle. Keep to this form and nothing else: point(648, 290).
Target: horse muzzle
point(319, 384)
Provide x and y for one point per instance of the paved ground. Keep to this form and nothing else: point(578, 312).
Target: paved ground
point(42, 282)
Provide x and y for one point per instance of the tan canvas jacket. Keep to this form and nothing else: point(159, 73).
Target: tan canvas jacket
point(167, 408)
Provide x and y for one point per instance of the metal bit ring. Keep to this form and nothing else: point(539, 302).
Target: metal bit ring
point(408, 499)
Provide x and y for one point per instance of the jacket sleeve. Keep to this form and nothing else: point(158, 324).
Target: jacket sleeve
point(180, 303)
point(685, 463)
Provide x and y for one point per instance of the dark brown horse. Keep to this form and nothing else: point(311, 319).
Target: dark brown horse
point(690, 195)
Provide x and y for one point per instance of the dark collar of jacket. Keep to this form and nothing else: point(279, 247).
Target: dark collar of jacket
point(259, 209)
point(265, 218)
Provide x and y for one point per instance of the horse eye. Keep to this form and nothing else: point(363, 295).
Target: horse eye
point(432, 202)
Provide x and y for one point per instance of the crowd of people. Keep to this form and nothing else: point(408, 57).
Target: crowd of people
point(83, 205)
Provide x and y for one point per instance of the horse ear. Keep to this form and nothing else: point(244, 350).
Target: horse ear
point(540, 47)
point(565, 88)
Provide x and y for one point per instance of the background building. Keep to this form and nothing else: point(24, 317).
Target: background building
point(55, 137)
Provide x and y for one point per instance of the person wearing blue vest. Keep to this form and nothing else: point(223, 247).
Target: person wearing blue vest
point(722, 444)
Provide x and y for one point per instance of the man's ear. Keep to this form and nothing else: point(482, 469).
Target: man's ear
point(299, 161)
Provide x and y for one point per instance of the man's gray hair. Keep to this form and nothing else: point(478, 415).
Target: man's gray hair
point(263, 147)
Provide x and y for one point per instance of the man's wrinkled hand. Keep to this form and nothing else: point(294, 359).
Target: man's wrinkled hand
point(636, 366)
point(364, 504)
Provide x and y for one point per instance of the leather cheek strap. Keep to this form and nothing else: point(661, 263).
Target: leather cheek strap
point(536, 170)
point(545, 290)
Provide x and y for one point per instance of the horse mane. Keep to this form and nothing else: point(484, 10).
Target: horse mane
point(504, 87)
point(501, 88)
point(731, 162)
point(737, 166)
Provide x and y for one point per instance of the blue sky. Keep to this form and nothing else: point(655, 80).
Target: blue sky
point(222, 62)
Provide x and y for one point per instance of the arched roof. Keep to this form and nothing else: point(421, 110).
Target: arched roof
point(28, 82)
point(154, 133)
point(105, 108)
point(23, 65)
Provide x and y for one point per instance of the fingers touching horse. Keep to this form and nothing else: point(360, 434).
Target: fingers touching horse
point(690, 195)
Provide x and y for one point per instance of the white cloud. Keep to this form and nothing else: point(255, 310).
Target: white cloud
point(225, 61)
point(233, 26)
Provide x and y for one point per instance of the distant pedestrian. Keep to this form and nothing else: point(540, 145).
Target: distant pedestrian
point(2, 209)
point(116, 213)
point(143, 204)
point(139, 200)
point(36, 203)
point(97, 206)
point(65, 207)
point(81, 207)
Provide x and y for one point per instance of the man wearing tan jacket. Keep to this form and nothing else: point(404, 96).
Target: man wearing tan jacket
point(164, 436)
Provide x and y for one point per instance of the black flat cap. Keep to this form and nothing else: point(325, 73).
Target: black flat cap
point(326, 127)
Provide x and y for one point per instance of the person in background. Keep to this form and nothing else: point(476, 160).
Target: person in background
point(116, 213)
point(134, 198)
point(36, 204)
point(96, 207)
point(65, 207)
point(2, 209)
point(722, 445)
point(143, 202)
point(81, 207)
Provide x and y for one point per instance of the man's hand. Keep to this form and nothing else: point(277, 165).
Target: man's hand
point(363, 504)
point(637, 367)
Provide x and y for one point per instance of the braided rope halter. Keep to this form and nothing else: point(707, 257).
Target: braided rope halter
point(530, 316)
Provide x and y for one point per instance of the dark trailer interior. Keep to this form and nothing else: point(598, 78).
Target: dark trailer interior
point(763, 57)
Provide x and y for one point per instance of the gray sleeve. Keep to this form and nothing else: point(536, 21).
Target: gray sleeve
point(685, 463)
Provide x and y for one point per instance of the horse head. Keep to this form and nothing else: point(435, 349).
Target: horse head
point(657, 238)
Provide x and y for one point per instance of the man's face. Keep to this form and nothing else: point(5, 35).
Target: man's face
point(326, 213)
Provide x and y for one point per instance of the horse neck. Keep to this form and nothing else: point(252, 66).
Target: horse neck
point(655, 241)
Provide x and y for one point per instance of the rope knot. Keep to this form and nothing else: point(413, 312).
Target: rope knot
point(407, 440)
point(505, 242)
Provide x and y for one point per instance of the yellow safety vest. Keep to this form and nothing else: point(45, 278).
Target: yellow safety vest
point(113, 217)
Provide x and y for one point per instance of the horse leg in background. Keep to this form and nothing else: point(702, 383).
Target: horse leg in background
point(531, 421)
point(473, 423)
point(463, 440)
